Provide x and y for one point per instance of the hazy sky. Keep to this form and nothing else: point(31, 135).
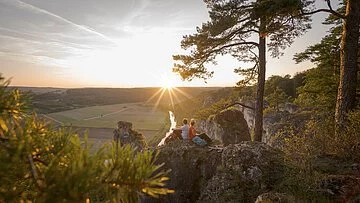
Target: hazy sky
point(113, 43)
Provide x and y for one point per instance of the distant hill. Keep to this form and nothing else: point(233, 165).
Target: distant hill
point(206, 103)
point(38, 90)
point(49, 100)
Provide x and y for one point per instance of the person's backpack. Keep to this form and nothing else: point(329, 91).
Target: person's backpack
point(197, 140)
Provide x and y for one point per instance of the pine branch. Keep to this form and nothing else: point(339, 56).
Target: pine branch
point(33, 170)
point(41, 161)
point(234, 44)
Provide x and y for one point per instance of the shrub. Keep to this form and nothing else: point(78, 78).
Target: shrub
point(317, 153)
point(39, 163)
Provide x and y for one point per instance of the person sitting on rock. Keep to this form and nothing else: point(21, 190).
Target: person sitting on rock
point(200, 139)
point(184, 130)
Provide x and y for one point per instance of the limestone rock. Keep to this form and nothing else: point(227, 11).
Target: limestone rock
point(237, 173)
point(126, 135)
point(248, 169)
point(191, 167)
point(275, 122)
point(228, 126)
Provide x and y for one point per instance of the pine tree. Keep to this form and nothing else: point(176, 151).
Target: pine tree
point(231, 28)
point(349, 48)
point(321, 82)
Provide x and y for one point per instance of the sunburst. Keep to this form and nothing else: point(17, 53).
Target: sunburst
point(167, 87)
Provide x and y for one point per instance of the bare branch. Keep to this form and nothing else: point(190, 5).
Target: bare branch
point(208, 54)
point(329, 4)
point(238, 7)
point(325, 10)
point(236, 44)
point(241, 104)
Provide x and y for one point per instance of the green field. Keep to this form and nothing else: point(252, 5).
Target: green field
point(144, 118)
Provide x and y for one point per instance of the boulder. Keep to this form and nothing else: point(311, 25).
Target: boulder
point(228, 126)
point(247, 170)
point(191, 167)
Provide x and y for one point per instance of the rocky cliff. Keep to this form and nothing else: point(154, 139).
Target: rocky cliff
point(275, 121)
point(234, 124)
point(235, 173)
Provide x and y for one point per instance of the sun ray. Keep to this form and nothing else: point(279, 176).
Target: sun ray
point(171, 98)
point(182, 92)
point(177, 100)
point(154, 95)
point(159, 99)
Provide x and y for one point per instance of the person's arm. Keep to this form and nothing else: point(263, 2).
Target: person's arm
point(178, 128)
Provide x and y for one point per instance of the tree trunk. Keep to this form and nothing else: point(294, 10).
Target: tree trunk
point(261, 84)
point(346, 98)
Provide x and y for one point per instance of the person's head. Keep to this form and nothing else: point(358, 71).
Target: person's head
point(192, 122)
point(185, 121)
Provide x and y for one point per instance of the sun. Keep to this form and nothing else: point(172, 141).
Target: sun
point(167, 83)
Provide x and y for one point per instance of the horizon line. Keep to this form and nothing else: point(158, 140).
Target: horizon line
point(99, 87)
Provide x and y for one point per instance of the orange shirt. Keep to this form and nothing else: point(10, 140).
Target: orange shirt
point(192, 132)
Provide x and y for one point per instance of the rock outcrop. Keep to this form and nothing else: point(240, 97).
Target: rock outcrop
point(247, 169)
point(228, 127)
point(191, 167)
point(235, 173)
point(124, 134)
point(273, 122)
point(276, 122)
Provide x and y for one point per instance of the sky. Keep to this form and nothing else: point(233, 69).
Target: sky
point(115, 43)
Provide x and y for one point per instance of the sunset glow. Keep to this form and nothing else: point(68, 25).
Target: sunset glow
point(113, 43)
point(167, 82)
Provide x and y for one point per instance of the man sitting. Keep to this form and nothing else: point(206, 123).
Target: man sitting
point(180, 133)
point(184, 129)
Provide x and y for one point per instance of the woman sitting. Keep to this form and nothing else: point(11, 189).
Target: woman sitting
point(201, 139)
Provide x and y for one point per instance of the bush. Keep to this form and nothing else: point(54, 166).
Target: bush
point(317, 153)
point(39, 163)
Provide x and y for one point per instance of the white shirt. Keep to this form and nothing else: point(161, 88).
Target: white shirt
point(185, 131)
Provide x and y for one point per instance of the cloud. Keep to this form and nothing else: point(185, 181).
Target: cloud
point(95, 36)
point(26, 49)
point(40, 10)
point(40, 37)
